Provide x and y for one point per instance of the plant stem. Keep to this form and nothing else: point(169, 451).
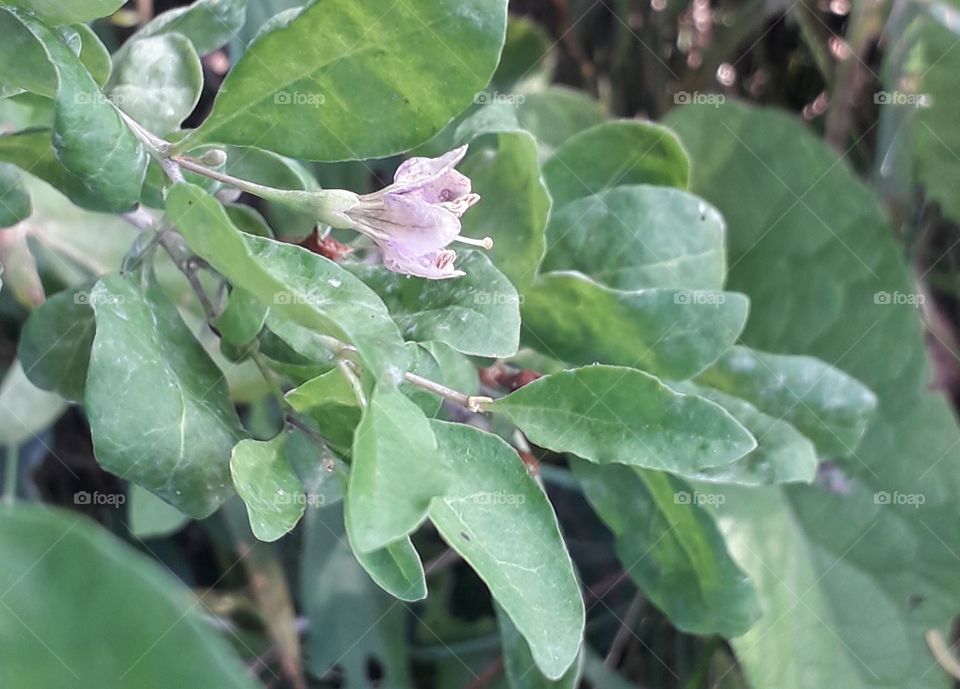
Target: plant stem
point(11, 472)
point(475, 403)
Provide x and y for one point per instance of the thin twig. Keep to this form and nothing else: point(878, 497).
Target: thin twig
point(624, 633)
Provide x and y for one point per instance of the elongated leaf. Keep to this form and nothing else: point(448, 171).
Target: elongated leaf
point(827, 405)
point(72, 12)
point(56, 340)
point(24, 63)
point(268, 485)
point(612, 154)
point(637, 237)
point(90, 139)
point(557, 114)
point(478, 313)
point(497, 517)
point(307, 290)
point(58, 565)
point(25, 409)
point(157, 82)
point(15, 203)
point(93, 53)
point(408, 69)
point(515, 212)
point(158, 407)
point(151, 517)
point(610, 414)
point(671, 548)
point(520, 667)
point(396, 471)
point(672, 333)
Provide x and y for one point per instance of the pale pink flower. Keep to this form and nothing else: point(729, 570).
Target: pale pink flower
point(415, 218)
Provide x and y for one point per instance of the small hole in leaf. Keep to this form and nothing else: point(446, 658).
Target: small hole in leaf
point(375, 671)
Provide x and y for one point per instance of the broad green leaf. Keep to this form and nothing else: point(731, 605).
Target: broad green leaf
point(19, 263)
point(395, 472)
point(207, 24)
point(370, 625)
point(25, 409)
point(56, 340)
point(32, 150)
point(331, 387)
point(478, 313)
point(637, 237)
point(612, 154)
point(151, 517)
point(243, 318)
point(526, 55)
point(672, 333)
point(103, 594)
point(610, 414)
point(158, 407)
point(782, 455)
point(268, 486)
point(520, 667)
point(854, 571)
point(24, 63)
point(556, 114)
point(408, 68)
point(514, 205)
point(822, 402)
point(67, 11)
point(671, 548)
point(457, 371)
point(90, 139)
point(157, 82)
point(310, 293)
point(396, 568)
point(496, 516)
point(15, 203)
point(93, 54)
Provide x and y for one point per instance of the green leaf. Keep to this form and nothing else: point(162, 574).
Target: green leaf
point(90, 139)
point(822, 402)
point(409, 69)
point(15, 203)
point(370, 625)
point(514, 207)
point(496, 516)
point(671, 548)
point(673, 333)
point(557, 114)
point(243, 318)
point(93, 54)
point(612, 414)
point(59, 565)
point(268, 486)
point(308, 292)
point(854, 571)
point(612, 154)
point(157, 82)
point(396, 568)
point(151, 517)
point(24, 63)
point(783, 454)
point(158, 406)
point(331, 387)
point(526, 54)
point(25, 409)
point(637, 237)
point(72, 12)
point(56, 340)
point(396, 471)
point(207, 24)
point(520, 667)
point(478, 313)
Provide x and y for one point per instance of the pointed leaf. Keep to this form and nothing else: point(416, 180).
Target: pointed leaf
point(268, 485)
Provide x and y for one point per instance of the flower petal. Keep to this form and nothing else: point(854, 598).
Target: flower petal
point(415, 171)
point(434, 265)
point(413, 225)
